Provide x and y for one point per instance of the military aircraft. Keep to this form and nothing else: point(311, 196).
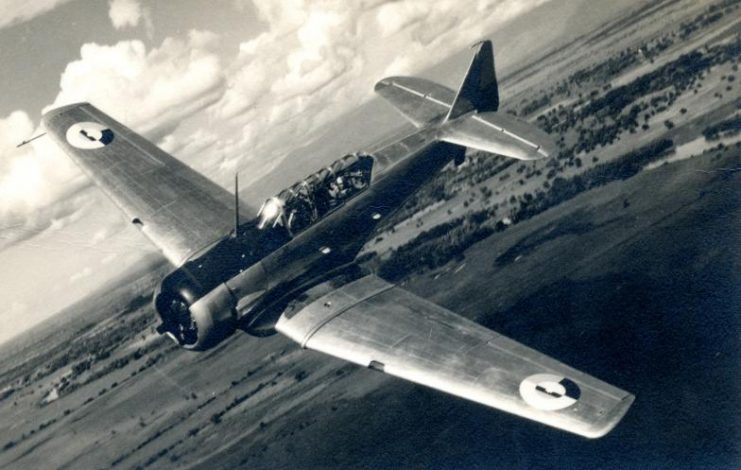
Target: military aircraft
point(292, 266)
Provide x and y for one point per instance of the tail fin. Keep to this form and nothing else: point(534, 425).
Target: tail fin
point(487, 129)
point(426, 103)
point(479, 90)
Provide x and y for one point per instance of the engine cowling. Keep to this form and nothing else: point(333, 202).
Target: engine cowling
point(196, 323)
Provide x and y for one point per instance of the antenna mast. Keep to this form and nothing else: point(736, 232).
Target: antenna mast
point(236, 205)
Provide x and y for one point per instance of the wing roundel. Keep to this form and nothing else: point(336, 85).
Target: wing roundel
point(178, 209)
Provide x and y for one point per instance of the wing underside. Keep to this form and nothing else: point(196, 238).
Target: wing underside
point(379, 325)
point(178, 209)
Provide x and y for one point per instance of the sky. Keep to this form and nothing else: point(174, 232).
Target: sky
point(226, 85)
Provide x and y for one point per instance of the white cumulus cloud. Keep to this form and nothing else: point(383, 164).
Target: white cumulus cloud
point(19, 11)
point(314, 61)
point(149, 90)
point(218, 109)
point(128, 14)
point(87, 271)
point(31, 177)
point(320, 59)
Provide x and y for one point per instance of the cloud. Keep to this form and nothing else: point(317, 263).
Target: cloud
point(220, 110)
point(109, 258)
point(16, 11)
point(33, 176)
point(50, 219)
point(149, 90)
point(197, 142)
point(314, 62)
point(128, 14)
point(86, 271)
point(14, 124)
point(17, 308)
point(101, 235)
point(152, 91)
point(394, 17)
point(124, 13)
point(319, 60)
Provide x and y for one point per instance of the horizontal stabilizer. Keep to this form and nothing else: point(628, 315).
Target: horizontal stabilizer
point(420, 101)
point(499, 133)
point(468, 118)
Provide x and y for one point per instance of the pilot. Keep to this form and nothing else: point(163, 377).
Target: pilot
point(321, 201)
point(306, 200)
point(356, 180)
point(337, 187)
point(300, 214)
point(337, 191)
point(323, 194)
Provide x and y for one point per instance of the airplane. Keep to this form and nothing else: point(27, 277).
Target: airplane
point(293, 266)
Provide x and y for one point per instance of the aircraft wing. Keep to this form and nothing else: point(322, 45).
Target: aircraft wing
point(379, 325)
point(178, 209)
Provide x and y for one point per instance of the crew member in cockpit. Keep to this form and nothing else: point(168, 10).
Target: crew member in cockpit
point(356, 180)
point(338, 190)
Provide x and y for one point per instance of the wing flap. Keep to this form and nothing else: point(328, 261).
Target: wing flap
point(178, 209)
point(376, 324)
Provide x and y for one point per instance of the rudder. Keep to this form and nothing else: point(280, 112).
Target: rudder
point(479, 90)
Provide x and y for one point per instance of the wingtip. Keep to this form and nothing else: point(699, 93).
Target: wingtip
point(612, 418)
point(381, 84)
point(385, 83)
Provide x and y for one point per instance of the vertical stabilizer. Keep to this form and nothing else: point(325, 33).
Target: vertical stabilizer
point(479, 91)
point(426, 104)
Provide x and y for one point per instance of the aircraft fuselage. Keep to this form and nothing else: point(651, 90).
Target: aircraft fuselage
point(263, 266)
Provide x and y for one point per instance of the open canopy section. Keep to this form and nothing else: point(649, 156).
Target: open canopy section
point(302, 204)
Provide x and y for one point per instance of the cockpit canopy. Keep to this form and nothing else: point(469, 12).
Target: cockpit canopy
point(299, 206)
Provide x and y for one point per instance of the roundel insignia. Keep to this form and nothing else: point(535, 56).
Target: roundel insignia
point(549, 392)
point(89, 135)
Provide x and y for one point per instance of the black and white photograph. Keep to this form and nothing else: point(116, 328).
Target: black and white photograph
point(370, 234)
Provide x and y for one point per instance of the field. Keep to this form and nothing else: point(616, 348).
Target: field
point(619, 257)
